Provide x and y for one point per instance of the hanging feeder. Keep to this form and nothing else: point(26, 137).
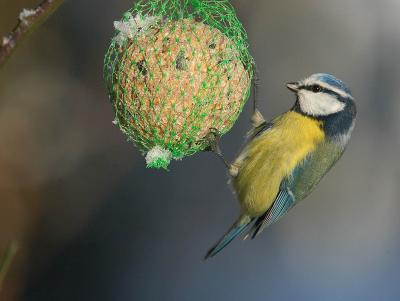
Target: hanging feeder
point(175, 70)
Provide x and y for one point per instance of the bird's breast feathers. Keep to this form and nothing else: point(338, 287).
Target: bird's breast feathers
point(273, 156)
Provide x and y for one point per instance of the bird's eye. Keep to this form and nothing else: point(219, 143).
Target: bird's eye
point(316, 88)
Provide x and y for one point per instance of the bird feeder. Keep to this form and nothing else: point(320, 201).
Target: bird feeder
point(176, 70)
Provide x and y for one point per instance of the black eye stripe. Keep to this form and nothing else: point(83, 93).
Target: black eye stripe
point(320, 90)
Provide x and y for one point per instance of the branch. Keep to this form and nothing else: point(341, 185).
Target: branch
point(6, 259)
point(28, 20)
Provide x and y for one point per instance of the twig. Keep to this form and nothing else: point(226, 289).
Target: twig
point(28, 20)
point(6, 259)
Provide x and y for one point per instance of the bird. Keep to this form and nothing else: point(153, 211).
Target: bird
point(284, 159)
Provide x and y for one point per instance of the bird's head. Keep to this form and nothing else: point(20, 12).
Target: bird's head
point(324, 97)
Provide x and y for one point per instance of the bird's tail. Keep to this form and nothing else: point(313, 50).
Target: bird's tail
point(237, 228)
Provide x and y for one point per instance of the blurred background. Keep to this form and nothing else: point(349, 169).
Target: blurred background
point(92, 223)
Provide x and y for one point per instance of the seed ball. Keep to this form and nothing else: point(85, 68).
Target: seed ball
point(175, 82)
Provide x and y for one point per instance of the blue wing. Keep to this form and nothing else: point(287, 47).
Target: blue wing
point(283, 202)
point(258, 130)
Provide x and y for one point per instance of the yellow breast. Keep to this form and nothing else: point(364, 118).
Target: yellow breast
point(271, 157)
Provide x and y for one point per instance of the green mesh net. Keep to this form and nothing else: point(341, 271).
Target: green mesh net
point(175, 70)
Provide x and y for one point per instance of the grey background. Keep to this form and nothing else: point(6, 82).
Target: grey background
point(94, 224)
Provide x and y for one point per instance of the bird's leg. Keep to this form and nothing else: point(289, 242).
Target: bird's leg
point(257, 118)
point(256, 83)
point(214, 137)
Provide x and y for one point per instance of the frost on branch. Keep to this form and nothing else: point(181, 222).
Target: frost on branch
point(25, 14)
point(133, 26)
point(5, 41)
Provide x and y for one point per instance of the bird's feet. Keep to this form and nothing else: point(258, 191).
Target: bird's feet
point(213, 138)
point(257, 118)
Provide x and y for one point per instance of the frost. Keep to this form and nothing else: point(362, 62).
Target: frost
point(5, 41)
point(158, 153)
point(133, 26)
point(26, 13)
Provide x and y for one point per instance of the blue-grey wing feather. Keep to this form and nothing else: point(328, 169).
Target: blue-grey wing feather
point(257, 131)
point(283, 202)
point(307, 175)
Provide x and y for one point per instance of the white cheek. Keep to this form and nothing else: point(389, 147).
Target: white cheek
point(319, 104)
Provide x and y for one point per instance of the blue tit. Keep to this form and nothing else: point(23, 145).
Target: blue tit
point(284, 159)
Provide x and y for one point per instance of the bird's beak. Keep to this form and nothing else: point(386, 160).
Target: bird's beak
point(293, 86)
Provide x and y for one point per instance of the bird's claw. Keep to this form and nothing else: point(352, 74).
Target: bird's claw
point(213, 137)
